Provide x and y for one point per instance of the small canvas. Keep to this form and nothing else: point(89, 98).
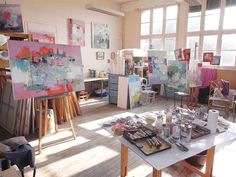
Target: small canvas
point(10, 18)
point(216, 60)
point(42, 69)
point(179, 54)
point(100, 36)
point(176, 77)
point(76, 32)
point(44, 37)
point(208, 56)
point(194, 74)
point(134, 91)
point(186, 53)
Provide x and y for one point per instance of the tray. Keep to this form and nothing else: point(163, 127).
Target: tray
point(199, 131)
point(142, 144)
point(147, 133)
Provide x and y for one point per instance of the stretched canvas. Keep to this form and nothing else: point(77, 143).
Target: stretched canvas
point(10, 18)
point(157, 68)
point(100, 36)
point(176, 77)
point(76, 32)
point(194, 74)
point(41, 69)
point(44, 37)
point(134, 91)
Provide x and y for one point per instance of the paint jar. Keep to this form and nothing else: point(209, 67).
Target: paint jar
point(176, 132)
point(159, 124)
point(185, 132)
point(166, 131)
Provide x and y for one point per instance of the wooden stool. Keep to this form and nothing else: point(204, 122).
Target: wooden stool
point(182, 95)
point(68, 111)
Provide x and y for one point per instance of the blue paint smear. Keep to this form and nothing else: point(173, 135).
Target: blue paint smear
point(23, 65)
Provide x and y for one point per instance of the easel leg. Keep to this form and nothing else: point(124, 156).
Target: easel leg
point(45, 116)
point(67, 106)
point(124, 161)
point(55, 114)
point(156, 173)
point(40, 126)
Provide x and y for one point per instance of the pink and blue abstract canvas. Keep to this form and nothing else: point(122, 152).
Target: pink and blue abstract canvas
point(10, 18)
point(42, 69)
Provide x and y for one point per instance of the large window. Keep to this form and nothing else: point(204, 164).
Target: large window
point(211, 25)
point(158, 29)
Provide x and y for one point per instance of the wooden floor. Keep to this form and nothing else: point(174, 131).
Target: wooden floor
point(96, 152)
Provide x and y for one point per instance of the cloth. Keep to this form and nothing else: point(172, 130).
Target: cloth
point(225, 87)
point(22, 156)
point(208, 74)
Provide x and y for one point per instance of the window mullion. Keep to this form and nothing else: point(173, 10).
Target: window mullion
point(200, 45)
point(220, 32)
point(164, 28)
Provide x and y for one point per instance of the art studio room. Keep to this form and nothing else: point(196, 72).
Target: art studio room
point(117, 88)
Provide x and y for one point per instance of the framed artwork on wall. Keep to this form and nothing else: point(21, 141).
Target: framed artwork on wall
point(100, 55)
point(100, 36)
point(76, 32)
point(10, 18)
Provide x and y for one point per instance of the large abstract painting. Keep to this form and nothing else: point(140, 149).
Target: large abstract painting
point(100, 36)
point(10, 18)
point(176, 77)
point(157, 68)
point(194, 74)
point(76, 32)
point(44, 37)
point(41, 69)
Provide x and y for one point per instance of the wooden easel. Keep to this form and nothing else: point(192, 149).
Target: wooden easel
point(67, 109)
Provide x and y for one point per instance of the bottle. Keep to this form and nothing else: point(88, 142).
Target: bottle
point(166, 131)
point(168, 118)
point(159, 124)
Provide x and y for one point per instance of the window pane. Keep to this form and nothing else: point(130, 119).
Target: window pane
point(209, 42)
point(228, 58)
point(171, 12)
point(170, 55)
point(158, 14)
point(229, 18)
point(212, 19)
point(191, 44)
point(229, 42)
point(145, 29)
point(157, 27)
point(145, 16)
point(144, 43)
point(194, 24)
point(213, 4)
point(230, 2)
point(170, 44)
point(157, 44)
point(170, 26)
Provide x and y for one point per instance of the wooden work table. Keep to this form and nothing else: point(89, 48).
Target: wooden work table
point(166, 158)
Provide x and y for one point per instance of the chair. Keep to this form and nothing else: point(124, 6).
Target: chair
point(148, 95)
point(182, 95)
point(216, 99)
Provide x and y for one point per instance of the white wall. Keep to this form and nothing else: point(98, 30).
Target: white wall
point(55, 13)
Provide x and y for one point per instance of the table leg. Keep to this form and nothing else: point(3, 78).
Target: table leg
point(101, 87)
point(209, 161)
point(124, 161)
point(156, 173)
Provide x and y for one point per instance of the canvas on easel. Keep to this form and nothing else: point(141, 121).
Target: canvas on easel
point(42, 69)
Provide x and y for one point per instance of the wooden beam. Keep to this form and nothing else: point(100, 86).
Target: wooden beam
point(124, 161)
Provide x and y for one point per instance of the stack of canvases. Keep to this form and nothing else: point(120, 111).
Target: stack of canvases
point(20, 117)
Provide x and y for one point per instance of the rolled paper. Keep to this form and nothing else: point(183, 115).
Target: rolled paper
point(212, 120)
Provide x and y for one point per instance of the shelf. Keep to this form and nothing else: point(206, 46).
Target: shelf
point(3, 48)
point(18, 35)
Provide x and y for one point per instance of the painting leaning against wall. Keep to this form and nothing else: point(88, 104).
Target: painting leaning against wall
point(41, 69)
point(10, 18)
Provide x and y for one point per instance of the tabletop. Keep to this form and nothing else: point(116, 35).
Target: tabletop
point(171, 156)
